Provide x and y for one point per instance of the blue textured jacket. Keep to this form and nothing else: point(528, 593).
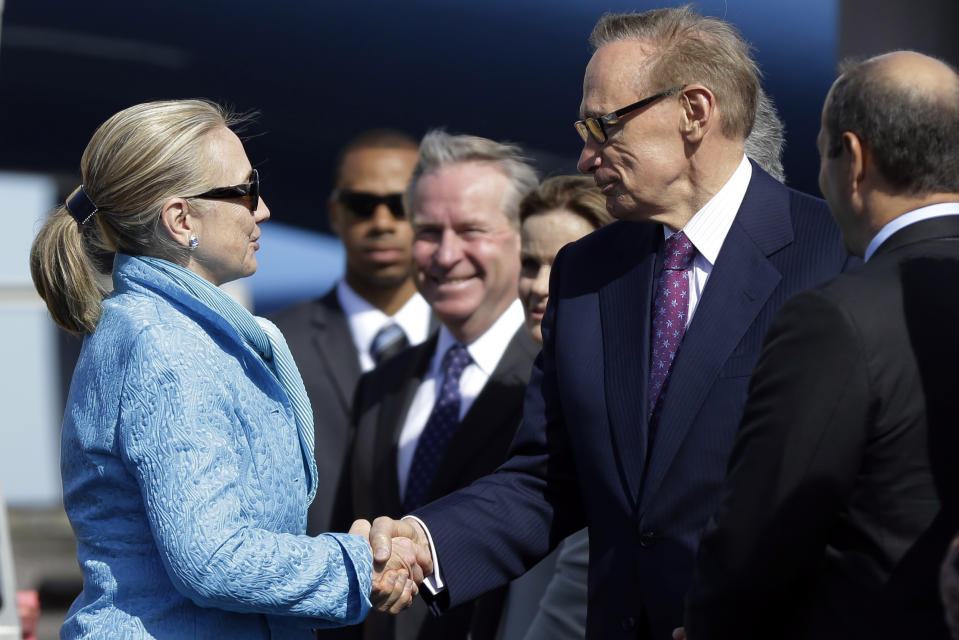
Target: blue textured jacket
point(185, 482)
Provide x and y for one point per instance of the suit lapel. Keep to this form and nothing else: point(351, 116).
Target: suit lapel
point(390, 419)
point(738, 287)
point(336, 350)
point(624, 312)
point(497, 407)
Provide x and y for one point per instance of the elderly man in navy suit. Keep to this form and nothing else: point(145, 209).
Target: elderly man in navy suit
point(653, 328)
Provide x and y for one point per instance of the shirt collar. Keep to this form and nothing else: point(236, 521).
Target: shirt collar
point(414, 318)
point(707, 229)
point(366, 320)
point(906, 219)
point(487, 349)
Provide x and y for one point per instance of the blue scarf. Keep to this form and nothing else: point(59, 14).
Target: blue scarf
point(261, 336)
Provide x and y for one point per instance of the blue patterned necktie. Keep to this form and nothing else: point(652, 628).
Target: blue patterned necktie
point(388, 341)
point(669, 316)
point(442, 423)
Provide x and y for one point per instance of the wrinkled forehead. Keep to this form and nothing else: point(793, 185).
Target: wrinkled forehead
point(463, 196)
point(617, 72)
point(226, 158)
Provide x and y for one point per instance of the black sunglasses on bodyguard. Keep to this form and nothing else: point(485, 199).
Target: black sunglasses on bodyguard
point(251, 189)
point(596, 127)
point(363, 204)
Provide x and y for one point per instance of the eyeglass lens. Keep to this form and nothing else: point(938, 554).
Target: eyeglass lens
point(591, 126)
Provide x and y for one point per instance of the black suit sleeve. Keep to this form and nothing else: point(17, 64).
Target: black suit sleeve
point(344, 510)
point(793, 466)
point(342, 513)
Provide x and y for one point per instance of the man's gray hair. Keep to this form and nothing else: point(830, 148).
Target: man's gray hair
point(439, 149)
point(689, 48)
point(766, 141)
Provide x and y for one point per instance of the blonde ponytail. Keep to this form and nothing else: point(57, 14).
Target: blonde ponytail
point(135, 161)
point(63, 273)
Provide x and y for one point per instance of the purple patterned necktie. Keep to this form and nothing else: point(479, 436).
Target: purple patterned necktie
point(669, 313)
point(442, 423)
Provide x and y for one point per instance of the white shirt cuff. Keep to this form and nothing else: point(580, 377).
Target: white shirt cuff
point(434, 582)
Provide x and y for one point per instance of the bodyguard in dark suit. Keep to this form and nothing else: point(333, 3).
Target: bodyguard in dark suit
point(833, 520)
point(425, 427)
point(371, 312)
point(607, 439)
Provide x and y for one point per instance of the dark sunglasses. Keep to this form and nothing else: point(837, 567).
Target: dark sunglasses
point(251, 189)
point(596, 127)
point(363, 204)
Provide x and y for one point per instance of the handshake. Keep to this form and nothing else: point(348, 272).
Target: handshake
point(401, 560)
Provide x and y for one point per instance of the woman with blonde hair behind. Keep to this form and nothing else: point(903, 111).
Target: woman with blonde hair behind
point(186, 449)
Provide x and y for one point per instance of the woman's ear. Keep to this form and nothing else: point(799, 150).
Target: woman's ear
point(176, 218)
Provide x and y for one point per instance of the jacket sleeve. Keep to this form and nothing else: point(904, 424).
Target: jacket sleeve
point(497, 528)
point(793, 466)
point(182, 439)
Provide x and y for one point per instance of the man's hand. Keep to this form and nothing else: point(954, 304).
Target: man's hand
point(396, 577)
point(384, 530)
point(949, 588)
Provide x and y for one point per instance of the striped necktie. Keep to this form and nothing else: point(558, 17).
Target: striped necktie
point(387, 342)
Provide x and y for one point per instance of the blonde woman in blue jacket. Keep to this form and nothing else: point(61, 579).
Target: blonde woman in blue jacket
point(187, 442)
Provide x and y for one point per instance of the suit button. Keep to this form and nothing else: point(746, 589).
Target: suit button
point(647, 538)
point(628, 623)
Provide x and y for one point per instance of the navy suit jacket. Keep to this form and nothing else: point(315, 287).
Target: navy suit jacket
point(580, 457)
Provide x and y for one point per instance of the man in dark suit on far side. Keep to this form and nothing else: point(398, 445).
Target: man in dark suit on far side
point(840, 499)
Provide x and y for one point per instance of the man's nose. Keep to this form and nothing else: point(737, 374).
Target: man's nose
point(449, 250)
point(589, 157)
point(383, 219)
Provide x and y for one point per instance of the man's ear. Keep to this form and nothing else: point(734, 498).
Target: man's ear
point(176, 218)
point(858, 168)
point(699, 112)
point(856, 157)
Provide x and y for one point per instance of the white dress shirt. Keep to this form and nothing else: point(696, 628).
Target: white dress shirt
point(707, 230)
point(906, 219)
point(365, 321)
point(485, 353)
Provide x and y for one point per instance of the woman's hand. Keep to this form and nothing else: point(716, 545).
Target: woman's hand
point(396, 587)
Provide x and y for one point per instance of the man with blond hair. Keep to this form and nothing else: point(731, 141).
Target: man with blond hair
point(442, 414)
